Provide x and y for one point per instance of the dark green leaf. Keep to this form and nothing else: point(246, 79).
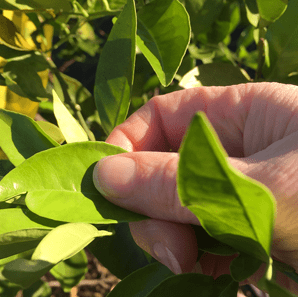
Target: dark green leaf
point(143, 280)
point(244, 266)
point(282, 38)
point(71, 271)
point(119, 253)
point(21, 137)
point(188, 284)
point(21, 78)
point(38, 289)
point(220, 74)
point(5, 167)
point(225, 23)
point(202, 14)
point(225, 286)
point(209, 244)
point(163, 36)
point(59, 182)
point(224, 200)
point(115, 70)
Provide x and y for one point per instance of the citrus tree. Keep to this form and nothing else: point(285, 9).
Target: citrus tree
point(49, 208)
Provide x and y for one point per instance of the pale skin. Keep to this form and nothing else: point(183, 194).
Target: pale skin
point(257, 124)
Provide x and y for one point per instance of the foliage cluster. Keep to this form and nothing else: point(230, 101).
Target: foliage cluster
point(49, 208)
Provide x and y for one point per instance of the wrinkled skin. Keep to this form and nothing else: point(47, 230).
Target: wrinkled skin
point(257, 124)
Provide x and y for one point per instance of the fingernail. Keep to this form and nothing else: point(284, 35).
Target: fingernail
point(166, 257)
point(112, 175)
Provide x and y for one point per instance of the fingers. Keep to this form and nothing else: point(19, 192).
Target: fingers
point(236, 113)
point(172, 244)
point(143, 182)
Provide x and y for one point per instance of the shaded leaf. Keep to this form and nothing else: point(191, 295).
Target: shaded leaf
point(155, 272)
point(119, 253)
point(224, 200)
point(202, 14)
point(187, 284)
point(38, 289)
point(71, 271)
point(22, 79)
point(282, 38)
point(115, 70)
point(21, 137)
point(163, 36)
point(244, 266)
point(59, 182)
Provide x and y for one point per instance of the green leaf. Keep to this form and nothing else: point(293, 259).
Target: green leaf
point(34, 58)
point(71, 271)
point(70, 128)
point(187, 284)
point(21, 230)
point(115, 70)
point(163, 36)
point(22, 78)
point(65, 241)
point(143, 280)
point(52, 131)
point(282, 38)
point(60, 244)
point(209, 244)
point(225, 24)
point(271, 10)
point(224, 200)
point(5, 166)
point(26, 272)
point(59, 182)
point(36, 4)
point(202, 14)
point(225, 286)
point(244, 266)
point(38, 289)
point(21, 137)
point(214, 74)
point(252, 12)
point(119, 253)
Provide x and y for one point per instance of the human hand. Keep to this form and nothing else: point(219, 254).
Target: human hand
point(257, 124)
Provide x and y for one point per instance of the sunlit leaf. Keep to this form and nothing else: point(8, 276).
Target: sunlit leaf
point(70, 128)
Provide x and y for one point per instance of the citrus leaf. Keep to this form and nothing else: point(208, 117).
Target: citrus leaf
point(60, 244)
point(59, 184)
point(21, 230)
point(224, 200)
point(21, 137)
point(115, 70)
point(163, 35)
point(70, 128)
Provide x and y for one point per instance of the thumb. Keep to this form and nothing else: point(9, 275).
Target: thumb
point(143, 182)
